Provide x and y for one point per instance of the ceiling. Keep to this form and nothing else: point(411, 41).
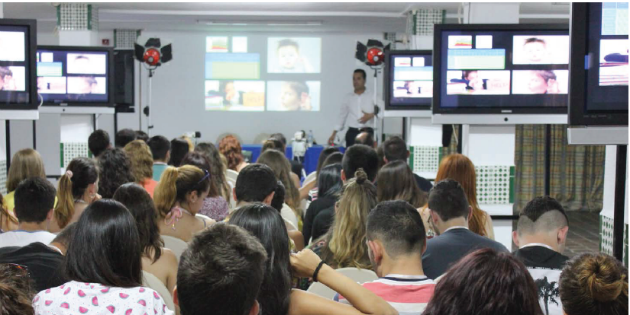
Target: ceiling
point(213, 16)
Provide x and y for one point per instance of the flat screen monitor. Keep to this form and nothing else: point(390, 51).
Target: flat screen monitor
point(18, 41)
point(408, 80)
point(81, 76)
point(501, 69)
point(599, 64)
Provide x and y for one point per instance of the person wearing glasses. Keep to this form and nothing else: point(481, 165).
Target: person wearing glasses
point(178, 198)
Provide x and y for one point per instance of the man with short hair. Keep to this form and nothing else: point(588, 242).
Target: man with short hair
point(124, 136)
point(357, 110)
point(161, 151)
point(365, 138)
point(358, 156)
point(98, 142)
point(43, 261)
point(141, 135)
point(34, 203)
point(255, 183)
point(449, 216)
point(220, 273)
point(395, 149)
point(541, 236)
point(396, 240)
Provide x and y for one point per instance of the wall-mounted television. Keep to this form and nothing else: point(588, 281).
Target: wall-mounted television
point(509, 73)
point(18, 42)
point(79, 76)
point(408, 80)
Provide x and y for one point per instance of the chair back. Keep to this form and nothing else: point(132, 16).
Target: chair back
point(231, 175)
point(309, 178)
point(358, 275)
point(151, 281)
point(176, 245)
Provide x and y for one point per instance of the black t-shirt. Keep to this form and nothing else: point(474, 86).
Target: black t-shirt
point(313, 210)
point(423, 184)
point(42, 262)
point(322, 222)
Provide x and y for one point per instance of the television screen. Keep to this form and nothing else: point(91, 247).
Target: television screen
point(485, 69)
point(409, 79)
point(17, 40)
point(74, 75)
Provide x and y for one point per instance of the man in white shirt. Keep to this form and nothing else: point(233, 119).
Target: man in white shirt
point(34, 202)
point(357, 110)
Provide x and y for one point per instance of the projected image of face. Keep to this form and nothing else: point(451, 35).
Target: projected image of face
point(535, 49)
point(82, 62)
point(86, 85)
point(7, 83)
point(230, 93)
point(288, 55)
point(295, 96)
point(542, 82)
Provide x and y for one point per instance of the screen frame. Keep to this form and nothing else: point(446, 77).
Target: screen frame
point(110, 74)
point(503, 111)
point(578, 115)
point(31, 36)
point(389, 80)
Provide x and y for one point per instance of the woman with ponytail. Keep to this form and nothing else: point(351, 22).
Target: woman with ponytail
point(461, 169)
point(178, 198)
point(78, 188)
point(345, 243)
point(594, 284)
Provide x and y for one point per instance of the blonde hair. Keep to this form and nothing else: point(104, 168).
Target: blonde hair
point(80, 173)
point(141, 159)
point(460, 168)
point(347, 243)
point(25, 163)
point(175, 183)
point(282, 169)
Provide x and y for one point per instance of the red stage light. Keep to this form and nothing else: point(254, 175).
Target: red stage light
point(152, 56)
point(375, 56)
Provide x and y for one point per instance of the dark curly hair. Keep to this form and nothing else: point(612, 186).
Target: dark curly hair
point(115, 170)
point(139, 203)
point(16, 290)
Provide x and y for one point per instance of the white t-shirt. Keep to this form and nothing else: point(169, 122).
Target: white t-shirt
point(289, 216)
point(352, 109)
point(23, 238)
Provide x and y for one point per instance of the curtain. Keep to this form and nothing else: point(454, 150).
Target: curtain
point(577, 172)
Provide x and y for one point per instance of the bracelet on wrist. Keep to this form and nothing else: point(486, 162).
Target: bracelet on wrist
point(321, 263)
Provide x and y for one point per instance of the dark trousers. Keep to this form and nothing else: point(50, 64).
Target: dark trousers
point(352, 133)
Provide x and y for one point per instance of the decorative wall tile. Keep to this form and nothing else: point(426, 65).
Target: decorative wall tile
point(424, 158)
point(71, 150)
point(494, 184)
point(606, 235)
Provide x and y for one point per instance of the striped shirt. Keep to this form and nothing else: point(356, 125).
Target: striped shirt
point(409, 295)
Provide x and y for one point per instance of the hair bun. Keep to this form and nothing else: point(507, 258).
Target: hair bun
point(360, 176)
point(604, 282)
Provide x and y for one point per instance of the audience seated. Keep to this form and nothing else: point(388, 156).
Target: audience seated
point(282, 170)
point(7, 222)
point(141, 164)
point(217, 169)
point(594, 284)
point(459, 168)
point(329, 188)
point(214, 206)
point(396, 241)
point(356, 157)
point(42, 261)
point(179, 148)
point(78, 187)
point(450, 215)
point(124, 136)
point(34, 202)
point(114, 170)
point(395, 149)
point(141, 135)
point(296, 166)
point(103, 268)
point(221, 273)
point(16, 292)
point(178, 198)
point(231, 149)
point(161, 151)
point(276, 296)
point(365, 138)
point(399, 184)
point(26, 163)
point(345, 244)
point(98, 142)
point(541, 236)
point(485, 282)
point(327, 151)
point(156, 260)
point(255, 183)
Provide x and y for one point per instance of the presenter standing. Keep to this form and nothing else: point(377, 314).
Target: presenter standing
point(356, 112)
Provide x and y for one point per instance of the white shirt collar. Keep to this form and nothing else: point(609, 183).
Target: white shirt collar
point(536, 244)
point(159, 163)
point(392, 275)
point(455, 228)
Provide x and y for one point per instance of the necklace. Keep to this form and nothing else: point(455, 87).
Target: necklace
point(80, 201)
